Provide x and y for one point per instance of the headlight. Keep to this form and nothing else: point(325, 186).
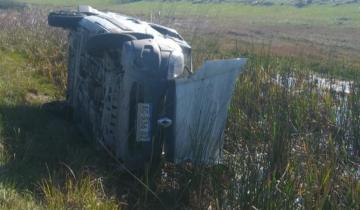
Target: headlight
point(176, 64)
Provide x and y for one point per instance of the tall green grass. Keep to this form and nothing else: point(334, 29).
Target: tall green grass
point(26, 33)
point(290, 150)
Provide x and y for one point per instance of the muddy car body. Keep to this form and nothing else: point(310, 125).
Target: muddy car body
point(131, 86)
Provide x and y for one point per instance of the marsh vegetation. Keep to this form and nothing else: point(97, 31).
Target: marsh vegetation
point(289, 142)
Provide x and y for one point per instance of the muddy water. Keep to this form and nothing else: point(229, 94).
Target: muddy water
point(339, 86)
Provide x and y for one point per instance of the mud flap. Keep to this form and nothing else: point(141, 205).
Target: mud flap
point(200, 112)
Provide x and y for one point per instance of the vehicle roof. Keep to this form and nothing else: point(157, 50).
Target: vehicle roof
point(118, 23)
point(100, 22)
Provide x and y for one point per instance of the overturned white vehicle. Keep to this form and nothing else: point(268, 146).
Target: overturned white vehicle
point(131, 86)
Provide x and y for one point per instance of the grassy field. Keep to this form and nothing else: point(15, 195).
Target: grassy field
point(315, 30)
point(288, 145)
point(70, 2)
point(328, 15)
point(278, 14)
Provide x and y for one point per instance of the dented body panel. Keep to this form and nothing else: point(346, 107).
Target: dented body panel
point(201, 111)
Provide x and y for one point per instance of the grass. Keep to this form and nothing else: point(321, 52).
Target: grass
point(317, 31)
point(292, 141)
point(316, 14)
point(313, 30)
point(35, 143)
point(327, 15)
point(70, 2)
point(286, 146)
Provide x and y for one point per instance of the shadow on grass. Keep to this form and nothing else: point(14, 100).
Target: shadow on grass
point(38, 144)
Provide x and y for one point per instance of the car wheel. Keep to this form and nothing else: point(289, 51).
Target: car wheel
point(65, 19)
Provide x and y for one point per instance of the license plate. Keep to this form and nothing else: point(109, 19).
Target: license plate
point(143, 126)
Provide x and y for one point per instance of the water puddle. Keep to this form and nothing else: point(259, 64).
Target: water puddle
point(336, 85)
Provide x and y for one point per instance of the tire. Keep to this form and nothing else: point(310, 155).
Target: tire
point(65, 19)
point(98, 44)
